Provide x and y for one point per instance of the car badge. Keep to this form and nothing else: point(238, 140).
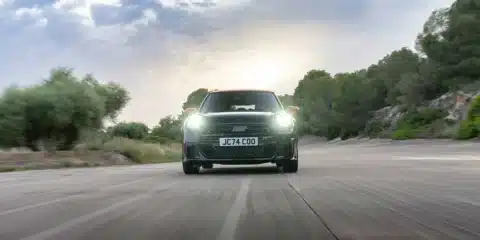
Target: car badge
point(239, 128)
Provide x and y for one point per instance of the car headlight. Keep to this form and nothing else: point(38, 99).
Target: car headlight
point(195, 122)
point(284, 122)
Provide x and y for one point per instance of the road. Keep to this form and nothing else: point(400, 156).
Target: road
point(359, 190)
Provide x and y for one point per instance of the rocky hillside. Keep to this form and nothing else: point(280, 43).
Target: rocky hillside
point(452, 109)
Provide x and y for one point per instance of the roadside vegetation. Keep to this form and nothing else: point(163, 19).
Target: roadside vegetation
point(404, 83)
point(66, 115)
point(60, 122)
point(446, 59)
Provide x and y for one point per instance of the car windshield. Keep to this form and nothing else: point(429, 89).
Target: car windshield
point(240, 101)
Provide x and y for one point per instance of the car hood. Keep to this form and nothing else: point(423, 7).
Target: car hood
point(239, 117)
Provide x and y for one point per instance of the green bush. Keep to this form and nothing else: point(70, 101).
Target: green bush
point(374, 128)
point(476, 123)
point(404, 134)
point(56, 111)
point(474, 110)
point(470, 127)
point(132, 130)
point(141, 152)
point(418, 118)
point(467, 130)
point(423, 123)
point(167, 130)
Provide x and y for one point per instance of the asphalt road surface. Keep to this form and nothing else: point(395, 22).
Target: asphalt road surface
point(360, 190)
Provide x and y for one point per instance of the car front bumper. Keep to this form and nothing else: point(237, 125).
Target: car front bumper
point(272, 149)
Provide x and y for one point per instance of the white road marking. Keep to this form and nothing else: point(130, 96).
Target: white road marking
point(233, 217)
point(441, 157)
point(85, 218)
point(24, 208)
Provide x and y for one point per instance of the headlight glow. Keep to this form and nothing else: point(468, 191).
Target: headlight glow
point(284, 121)
point(195, 122)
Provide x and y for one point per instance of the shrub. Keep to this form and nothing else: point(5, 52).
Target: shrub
point(423, 123)
point(467, 130)
point(418, 118)
point(470, 127)
point(476, 123)
point(141, 152)
point(57, 110)
point(404, 134)
point(474, 110)
point(132, 130)
point(375, 127)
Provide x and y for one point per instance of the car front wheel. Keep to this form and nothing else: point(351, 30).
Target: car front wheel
point(189, 168)
point(290, 166)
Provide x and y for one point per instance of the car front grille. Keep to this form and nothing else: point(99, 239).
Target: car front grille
point(243, 129)
point(216, 152)
point(209, 140)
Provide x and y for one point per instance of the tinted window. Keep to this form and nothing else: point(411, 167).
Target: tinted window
point(240, 101)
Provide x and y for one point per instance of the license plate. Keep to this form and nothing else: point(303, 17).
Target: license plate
point(238, 141)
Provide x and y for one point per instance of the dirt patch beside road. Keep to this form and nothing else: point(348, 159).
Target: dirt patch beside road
point(12, 161)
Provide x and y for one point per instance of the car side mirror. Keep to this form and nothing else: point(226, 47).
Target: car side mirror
point(189, 111)
point(293, 110)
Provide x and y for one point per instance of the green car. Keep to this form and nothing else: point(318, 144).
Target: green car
point(238, 127)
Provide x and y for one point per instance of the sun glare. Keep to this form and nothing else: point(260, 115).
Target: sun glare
point(260, 71)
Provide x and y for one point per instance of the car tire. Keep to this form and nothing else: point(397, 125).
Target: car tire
point(290, 166)
point(189, 168)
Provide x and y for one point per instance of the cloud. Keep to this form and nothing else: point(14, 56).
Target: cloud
point(201, 5)
point(34, 14)
point(161, 50)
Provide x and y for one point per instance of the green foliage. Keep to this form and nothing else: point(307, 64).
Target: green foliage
point(64, 108)
point(56, 111)
point(447, 58)
point(470, 127)
point(390, 72)
point(314, 94)
point(451, 39)
point(168, 129)
point(195, 98)
point(141, 152)
point(422, 123)
point(286, 100)
point(375, 128)
point(467, 130)
point(419, 118)
point(131, 130)
point(474, 110)
point(404, 134)
point(12, 117)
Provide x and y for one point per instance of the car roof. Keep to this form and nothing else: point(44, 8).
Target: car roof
point(240, 90)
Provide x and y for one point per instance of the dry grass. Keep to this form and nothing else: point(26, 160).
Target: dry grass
point(141, 152)
point(117, 151)
point(12, 161)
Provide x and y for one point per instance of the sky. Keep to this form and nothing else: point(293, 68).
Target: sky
point(161, 50)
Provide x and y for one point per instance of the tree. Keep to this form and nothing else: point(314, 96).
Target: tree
point(57, 110)
point(195, 98)
point(315, 94)
point(286, 100)
point(116, 97)
point(132, 130)
point(353, 103)
point(12, 117)
point(387, 73)
point(451, 38)
point(167, 129)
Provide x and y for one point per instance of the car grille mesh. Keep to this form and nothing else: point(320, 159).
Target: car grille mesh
point(215, 152)
point(228, 129)
point(209, 141)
